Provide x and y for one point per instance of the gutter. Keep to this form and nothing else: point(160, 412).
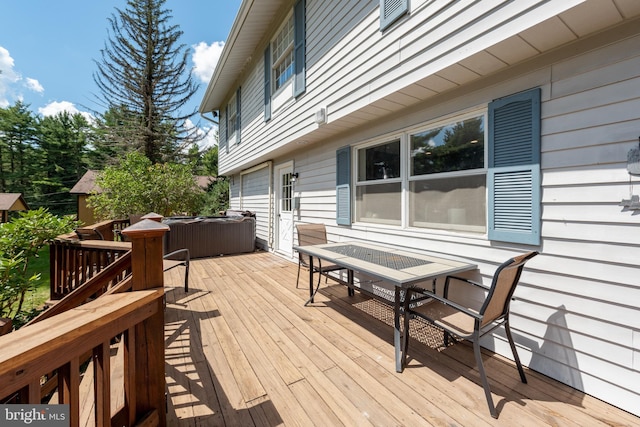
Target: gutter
point(215, 115)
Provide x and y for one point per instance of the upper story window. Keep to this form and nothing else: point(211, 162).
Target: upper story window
point(285, 62)
point(232, 116)
point(282, 55)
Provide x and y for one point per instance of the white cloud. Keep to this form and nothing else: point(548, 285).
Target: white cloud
point(34, 85)
point(8, 77)
point(11, 81)
point(207, 133)
point(205, 58)
point(53, 108)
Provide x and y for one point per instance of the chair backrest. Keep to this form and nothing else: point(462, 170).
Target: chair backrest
point(310, 234)
point(503, 285)
point(88, 234)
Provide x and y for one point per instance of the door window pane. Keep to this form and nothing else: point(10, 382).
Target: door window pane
point(286, 192)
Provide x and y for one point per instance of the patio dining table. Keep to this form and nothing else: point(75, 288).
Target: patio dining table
point(400, 268)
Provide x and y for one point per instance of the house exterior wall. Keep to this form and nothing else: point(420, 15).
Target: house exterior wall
point(576, 315)
point(351, 64)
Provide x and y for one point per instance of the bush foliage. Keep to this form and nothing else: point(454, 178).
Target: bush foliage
point(137, 187)
point(20, 241)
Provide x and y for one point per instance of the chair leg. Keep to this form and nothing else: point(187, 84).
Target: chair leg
point(298, 278)
point(515, 353)
point(483, 378)
point(186, 277)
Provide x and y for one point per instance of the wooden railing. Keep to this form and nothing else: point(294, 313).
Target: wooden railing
point(73, 262)
point(114, 278)
point(59, 341)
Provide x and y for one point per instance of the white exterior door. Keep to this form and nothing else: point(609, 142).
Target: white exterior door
point(285, 209)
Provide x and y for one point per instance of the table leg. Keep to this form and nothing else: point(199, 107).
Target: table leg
point(396, 329)
point(350, 290)
point(311, 293)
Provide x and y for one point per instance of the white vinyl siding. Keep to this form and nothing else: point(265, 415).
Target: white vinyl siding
point(575, 317)
point(572, 318)
point(391, 10)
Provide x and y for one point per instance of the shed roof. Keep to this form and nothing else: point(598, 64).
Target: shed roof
point(87, 183)
point(12, 202)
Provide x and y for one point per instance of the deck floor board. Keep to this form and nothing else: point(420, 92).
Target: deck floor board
point(242, 349)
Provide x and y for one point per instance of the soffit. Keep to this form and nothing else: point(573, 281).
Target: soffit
point(249, 28)
point(578, 22)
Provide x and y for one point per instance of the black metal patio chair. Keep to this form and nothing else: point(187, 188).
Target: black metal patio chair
point(314, 234)
point(465, 320)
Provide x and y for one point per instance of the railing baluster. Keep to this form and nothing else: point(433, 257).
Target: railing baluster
point(102, 383)
point(130, 374)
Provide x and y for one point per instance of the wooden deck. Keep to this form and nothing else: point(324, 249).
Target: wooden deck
point(242, 350)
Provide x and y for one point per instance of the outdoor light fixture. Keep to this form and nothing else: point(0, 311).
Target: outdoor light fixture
point(633, 160)
point(633, 167)
point(294, 177)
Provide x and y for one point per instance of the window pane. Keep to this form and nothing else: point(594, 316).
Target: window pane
point(286, 192)
point(232, 115)
point(282, 55)
point(379, 162)
point(379, 203)
point(456, 203)
point(457, 146)
point(283, 71)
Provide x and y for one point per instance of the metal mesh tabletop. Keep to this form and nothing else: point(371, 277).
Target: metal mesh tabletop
point(375, 256)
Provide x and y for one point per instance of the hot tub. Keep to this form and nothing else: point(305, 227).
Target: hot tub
point(210, 236)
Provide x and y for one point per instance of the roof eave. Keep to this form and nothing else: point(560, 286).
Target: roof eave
point(247, 32)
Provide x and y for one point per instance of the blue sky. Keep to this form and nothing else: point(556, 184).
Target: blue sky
point(48, 48)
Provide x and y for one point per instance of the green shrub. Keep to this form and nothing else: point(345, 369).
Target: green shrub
point(138, 187)
point(21, 240)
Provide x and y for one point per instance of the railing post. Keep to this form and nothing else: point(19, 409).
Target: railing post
point(147, 272)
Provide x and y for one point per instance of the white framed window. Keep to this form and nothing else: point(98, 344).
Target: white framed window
point(435, 173)
point(232, 117)
point(285, 61)
point(447, 175)
point(282, 55)
point(478, 171)
point(379, 182)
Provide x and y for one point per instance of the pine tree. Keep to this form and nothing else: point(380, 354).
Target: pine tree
point(143, 79)
point(63, 143)
point(18, 130)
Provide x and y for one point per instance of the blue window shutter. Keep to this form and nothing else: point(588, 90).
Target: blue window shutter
point(513, 177)
point(238, 125)
point(343, 186)
point(390, 10)
point(299, 24)
point(267, 84)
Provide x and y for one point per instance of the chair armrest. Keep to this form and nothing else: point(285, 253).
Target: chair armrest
point(461, 279)
point(430, 295)
point(184, 253)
